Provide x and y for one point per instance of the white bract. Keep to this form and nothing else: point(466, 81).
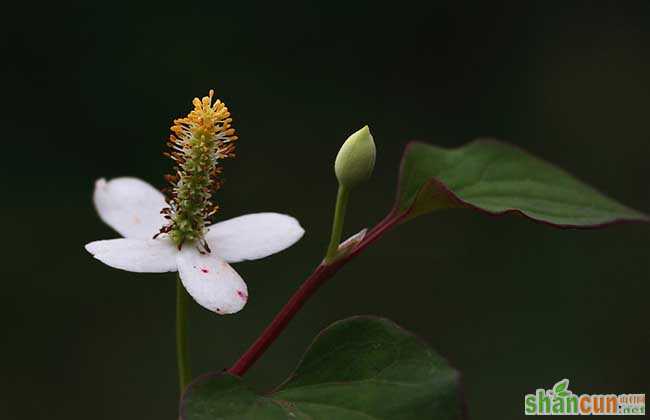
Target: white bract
point(132, 207)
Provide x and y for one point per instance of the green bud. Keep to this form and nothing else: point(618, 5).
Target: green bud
point(356, 159)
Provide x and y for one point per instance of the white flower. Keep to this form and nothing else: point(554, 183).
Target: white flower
point(132, 207)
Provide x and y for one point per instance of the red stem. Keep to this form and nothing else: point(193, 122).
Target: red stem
point(305, 291)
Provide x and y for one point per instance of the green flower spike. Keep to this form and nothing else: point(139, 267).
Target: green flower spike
point(199, 141)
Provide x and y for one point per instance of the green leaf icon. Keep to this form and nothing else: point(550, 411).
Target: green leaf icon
point(560, 389)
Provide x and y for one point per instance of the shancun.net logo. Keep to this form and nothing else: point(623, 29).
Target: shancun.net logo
point(561, 401)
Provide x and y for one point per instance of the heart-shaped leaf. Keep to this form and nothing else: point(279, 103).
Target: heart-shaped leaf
point(361, 368)
point(496, 178)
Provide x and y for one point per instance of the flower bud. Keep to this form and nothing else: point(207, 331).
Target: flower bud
point(356, 159)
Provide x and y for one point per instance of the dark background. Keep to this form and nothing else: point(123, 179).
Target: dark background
point(90, 92)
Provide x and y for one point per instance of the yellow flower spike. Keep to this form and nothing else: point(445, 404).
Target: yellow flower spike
point(196, 144)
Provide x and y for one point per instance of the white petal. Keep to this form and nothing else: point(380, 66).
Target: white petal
point(130, 206)
point(253, 236)
point(137, 255)
point(212, 283)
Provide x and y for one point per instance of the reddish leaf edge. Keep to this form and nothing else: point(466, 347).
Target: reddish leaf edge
point(458, 379)
point(444, 189)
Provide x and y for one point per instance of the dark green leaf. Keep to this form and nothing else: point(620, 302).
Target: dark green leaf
point(496, 178)
point(361, 368)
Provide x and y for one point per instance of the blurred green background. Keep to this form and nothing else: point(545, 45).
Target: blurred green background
point(90, 92)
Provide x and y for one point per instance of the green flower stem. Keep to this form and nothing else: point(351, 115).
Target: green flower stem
point(184, 374)
point(337, 224)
